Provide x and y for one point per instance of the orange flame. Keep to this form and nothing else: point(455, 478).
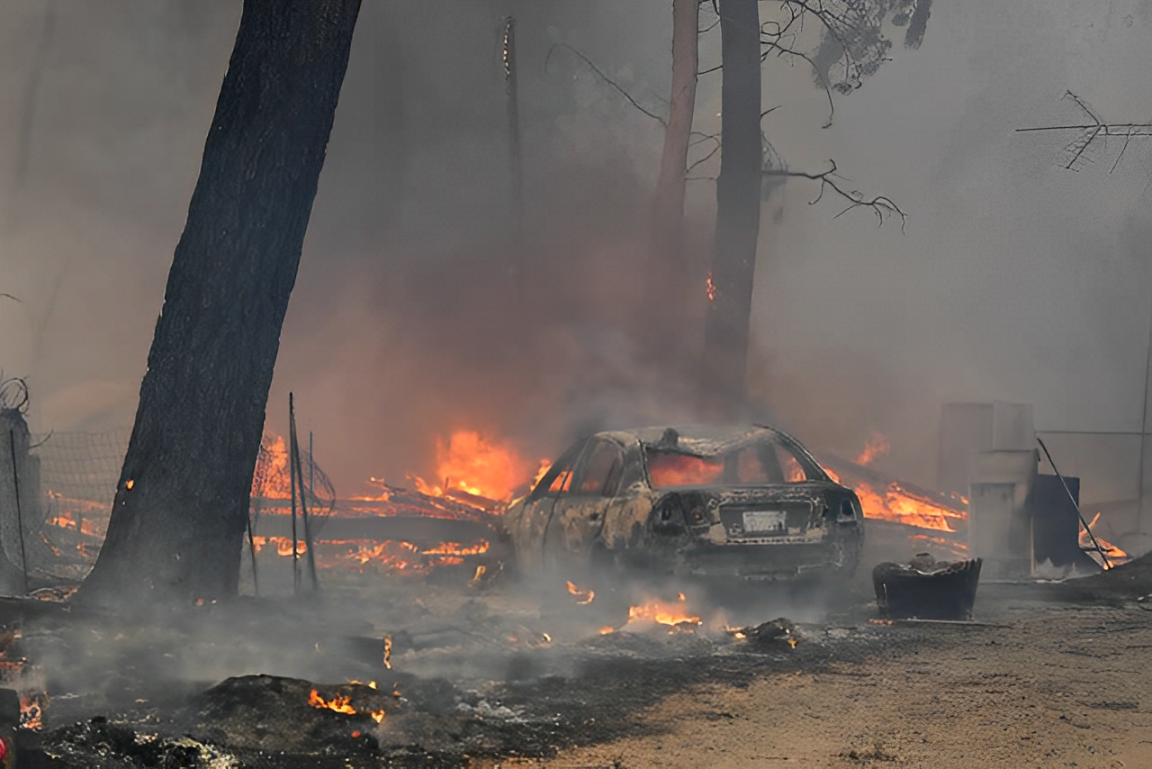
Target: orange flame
point(710, 287)
point(474, 464)
point(667, 468)
point(272, 479)
point(32, 711)
point(901, 506)
point(1116, 556)
point(455, 548)
point(583, 597)
point(66, 521)
point(342, 704)
point(663, 612)
point(876, 447)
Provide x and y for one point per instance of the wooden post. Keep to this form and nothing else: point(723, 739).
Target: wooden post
point(19, 513)
point(292, 482)
point(295, 459)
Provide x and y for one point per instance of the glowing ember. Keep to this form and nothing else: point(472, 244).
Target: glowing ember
point(876, 447)
point(583, 597)
point(710, 287)
point(66, 521)
point(607, 629)
point(1115, 555)
point(455, 548)
point(663, 612)
point(342, 704)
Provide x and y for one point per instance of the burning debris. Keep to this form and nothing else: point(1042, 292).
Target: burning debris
point(582, 597)
point(673, 614)
point(778, 632)
point(341, 701)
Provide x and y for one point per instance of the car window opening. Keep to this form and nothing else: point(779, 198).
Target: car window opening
point(759, 464)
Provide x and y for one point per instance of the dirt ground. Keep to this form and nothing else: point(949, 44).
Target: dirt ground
point(1065, 687)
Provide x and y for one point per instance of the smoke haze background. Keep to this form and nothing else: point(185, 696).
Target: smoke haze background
point(1013, 278)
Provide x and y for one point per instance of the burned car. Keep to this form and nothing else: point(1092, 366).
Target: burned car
point(745, 502)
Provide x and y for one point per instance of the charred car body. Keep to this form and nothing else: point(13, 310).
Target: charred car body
point(746, 502)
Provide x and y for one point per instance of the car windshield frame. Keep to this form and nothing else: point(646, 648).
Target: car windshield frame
point(723, 465)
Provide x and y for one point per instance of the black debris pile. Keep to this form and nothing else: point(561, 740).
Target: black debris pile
point(926, 588)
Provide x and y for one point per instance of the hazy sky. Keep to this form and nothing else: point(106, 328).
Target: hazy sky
point(1013, 279)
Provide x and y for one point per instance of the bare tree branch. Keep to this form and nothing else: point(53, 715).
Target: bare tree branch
point(1092, 131)
point(881, 205)
point(619, 89)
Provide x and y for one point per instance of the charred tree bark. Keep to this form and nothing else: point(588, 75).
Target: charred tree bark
point(180, 508)
point(737, 211)
point(669, 287)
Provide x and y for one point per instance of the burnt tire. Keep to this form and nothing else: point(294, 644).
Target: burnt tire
point(845, 545)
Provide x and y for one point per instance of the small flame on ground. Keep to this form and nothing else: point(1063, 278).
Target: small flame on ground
point(710, 287)
point(664, 612)
point(387, 651)
point(342, 704)
point(583, 597)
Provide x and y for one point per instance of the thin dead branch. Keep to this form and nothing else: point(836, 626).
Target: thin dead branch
point(1093, 131)
point(881, 205)
point(611, 83)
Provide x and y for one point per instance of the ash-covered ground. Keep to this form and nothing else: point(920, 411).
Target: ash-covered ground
point(495, 673)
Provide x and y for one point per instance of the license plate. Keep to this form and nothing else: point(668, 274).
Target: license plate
point(765, 522)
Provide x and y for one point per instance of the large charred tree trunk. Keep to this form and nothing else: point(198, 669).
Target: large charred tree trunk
point(667, 258)
point(181, 503)
point(737, 210)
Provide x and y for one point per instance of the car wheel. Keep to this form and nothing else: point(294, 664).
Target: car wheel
point(845, 544)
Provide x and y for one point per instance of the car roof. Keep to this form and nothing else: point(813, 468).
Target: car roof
point(697, 440)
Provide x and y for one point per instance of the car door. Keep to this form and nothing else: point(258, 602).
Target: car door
point(529, 528)
point(579, 512)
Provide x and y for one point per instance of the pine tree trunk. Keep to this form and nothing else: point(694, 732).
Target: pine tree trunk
point(182, 499)
point(670, 282)
point(737, 211)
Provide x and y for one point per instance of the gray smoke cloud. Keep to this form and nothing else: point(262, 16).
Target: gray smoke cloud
point(1013, 279)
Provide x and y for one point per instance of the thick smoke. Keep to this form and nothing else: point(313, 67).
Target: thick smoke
point(1013, 279)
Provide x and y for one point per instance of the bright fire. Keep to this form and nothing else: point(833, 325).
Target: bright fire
point(663, 612)
point(342, 704)
point(583, 597)
point(900, 505)
point(671, 468)
point(271, 479)
point(1116, 556)
point(471, 463)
